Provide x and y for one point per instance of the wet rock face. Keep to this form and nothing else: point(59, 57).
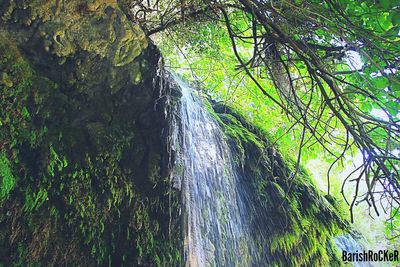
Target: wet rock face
point(81, 139)
point(98, 27)
point(241, 206)
point(88, 37)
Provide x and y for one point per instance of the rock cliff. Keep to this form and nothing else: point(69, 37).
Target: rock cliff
point(83, 158)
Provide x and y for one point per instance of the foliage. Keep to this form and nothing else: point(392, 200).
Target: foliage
point(320, 77)
point(8, 180)
point(294, 227)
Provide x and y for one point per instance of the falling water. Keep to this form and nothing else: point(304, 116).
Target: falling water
point(216, 225)
point(349, 244)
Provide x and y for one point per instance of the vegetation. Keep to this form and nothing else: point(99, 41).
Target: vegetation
point(83, 178)
point(84, 160)
point(321, 78)
point(8, 180)
point(293, 222)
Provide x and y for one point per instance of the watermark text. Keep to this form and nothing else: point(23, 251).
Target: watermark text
point(369, 255)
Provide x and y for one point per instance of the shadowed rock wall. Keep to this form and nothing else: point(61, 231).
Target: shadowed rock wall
point(83, 158)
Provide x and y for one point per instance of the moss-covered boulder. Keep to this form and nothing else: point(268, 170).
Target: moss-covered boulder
point(83, 162)
point(291, 222)
point(294, 224)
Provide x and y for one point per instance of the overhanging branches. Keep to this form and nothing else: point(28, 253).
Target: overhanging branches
point(302, 46)
point(284, 50)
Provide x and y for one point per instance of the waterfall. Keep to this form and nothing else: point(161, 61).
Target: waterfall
point(349, 244)
point(216, 213)
point(222, 224)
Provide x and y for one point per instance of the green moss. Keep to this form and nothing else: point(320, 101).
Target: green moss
point(207, 104)
point(34, 200)
point(8, 181)
point(128, 47)
point(90, 164)
point(76, 25)
point(5, 80)
point(299, 223)
point(236, 130)
point(55, 162)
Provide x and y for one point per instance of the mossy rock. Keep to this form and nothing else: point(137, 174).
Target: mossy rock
point(294, 223)
point(83, 165)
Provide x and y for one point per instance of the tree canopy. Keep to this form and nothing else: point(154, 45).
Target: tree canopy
point(319, 77)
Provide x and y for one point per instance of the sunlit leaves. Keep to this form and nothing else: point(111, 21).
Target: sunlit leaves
point(380, 83)
point(393, 107)
point(328, 67)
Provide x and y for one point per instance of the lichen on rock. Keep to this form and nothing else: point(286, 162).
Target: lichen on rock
point(85, 183)
point(98, 27)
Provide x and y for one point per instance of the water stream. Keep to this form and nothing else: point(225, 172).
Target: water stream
point(350, 245)
point(217, 207)
point(217, 227)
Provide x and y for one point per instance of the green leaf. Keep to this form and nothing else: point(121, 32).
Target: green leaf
point(395, 87)
point(396, 19)
point(385, 21)
point(380, 82)
point(366, 107)
point(393, 108)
